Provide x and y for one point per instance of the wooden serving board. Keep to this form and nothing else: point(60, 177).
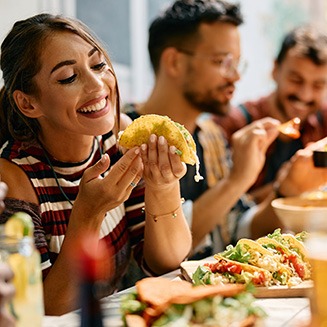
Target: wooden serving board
point(301, 290)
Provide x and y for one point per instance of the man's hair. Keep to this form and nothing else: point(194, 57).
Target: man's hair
point(178, 25)
point(306, 41)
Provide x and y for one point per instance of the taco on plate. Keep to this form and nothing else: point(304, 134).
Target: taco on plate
point(279, 245)
point(225, 271)
point(251, 252)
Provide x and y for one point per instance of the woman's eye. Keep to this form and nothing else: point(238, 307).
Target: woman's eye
point(99, 66)
point(68, 80)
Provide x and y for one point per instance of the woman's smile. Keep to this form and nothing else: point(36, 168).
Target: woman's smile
point(95, 110)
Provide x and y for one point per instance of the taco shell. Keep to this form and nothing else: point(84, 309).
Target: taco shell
point(246, 267)
point(139, 131)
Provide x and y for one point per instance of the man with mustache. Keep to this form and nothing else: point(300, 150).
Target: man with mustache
point(300, 74)
point(195, 52)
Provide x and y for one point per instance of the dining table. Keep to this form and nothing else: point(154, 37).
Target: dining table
point(289, 311)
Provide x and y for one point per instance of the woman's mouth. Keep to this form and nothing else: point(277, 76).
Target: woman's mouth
point(94, 107)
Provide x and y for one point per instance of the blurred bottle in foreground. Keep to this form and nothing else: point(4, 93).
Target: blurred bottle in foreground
point(93, 268)
point(17, 248)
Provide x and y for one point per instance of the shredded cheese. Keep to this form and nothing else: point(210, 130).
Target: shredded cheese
point(197, 176)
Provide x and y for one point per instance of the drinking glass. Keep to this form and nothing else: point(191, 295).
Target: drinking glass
point(317, 251)
point(23, 258)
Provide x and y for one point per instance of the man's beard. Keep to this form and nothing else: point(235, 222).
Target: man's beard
point(207, 103)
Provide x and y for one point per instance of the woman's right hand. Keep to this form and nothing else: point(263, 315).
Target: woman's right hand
point(99, 194)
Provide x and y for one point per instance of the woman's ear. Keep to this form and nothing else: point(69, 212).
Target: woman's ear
point(25, 104)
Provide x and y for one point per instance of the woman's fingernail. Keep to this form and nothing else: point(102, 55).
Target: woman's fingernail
point(152, 138)
point(161, 140)
point(137, 151)
point(172, 149)
point(143, 147)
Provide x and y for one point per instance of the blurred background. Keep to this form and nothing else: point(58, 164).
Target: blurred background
point(122, 25)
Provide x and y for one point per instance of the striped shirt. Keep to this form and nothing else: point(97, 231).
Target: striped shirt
point(122, 227)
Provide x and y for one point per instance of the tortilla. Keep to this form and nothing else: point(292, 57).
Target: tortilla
point(139, 131)
point(264, 275)
point(289, 253)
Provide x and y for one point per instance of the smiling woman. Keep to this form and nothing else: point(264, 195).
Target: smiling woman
point(59, 112)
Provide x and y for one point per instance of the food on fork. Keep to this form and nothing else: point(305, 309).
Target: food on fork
point(291, 128)
point(139, 131)
point(161, 302)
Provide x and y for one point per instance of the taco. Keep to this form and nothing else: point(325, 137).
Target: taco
point(293, 259)
point(139, 131)
point(293, 242)
point(251, 252)
point(162, 302)
point(225, 271)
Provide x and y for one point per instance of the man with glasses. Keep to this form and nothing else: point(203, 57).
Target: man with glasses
point(194, 48)
point(300, 74)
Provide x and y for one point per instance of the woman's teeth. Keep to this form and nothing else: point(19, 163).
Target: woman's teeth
point(94, 107)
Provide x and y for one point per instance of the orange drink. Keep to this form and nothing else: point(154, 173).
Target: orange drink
point(316, 245)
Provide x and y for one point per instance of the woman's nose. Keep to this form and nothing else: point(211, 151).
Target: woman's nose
point(93, 82)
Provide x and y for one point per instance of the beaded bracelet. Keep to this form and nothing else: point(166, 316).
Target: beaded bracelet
point(173, 213)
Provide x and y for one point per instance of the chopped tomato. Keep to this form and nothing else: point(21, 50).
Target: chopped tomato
point(260, 280)
point(299, 268)
point(225, 266)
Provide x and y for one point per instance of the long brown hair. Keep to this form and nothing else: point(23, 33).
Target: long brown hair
point(20, 62)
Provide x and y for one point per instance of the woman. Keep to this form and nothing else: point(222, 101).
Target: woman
point(60, 113)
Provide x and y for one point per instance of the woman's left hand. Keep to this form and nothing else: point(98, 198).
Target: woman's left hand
point(162, 166)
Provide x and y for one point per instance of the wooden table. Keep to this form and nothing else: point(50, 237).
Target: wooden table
point(290, 312)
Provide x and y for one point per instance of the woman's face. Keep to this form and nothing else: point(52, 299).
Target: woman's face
point(77, 90)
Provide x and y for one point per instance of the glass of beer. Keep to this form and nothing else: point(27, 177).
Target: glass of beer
point(317, 251)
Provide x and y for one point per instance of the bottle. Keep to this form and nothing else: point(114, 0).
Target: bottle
point(93, 269)
point(17, 248)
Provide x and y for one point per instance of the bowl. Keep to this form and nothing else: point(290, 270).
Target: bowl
point(299, 213)
point(320, 158)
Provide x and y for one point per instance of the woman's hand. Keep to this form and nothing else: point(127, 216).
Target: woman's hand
point(162, 166)
point(101, 194)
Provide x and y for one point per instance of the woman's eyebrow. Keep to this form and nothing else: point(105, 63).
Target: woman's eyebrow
point(92, 51)
point(72, 62)
point(63, 63)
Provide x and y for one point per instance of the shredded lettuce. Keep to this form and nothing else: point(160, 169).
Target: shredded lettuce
point(237, 253)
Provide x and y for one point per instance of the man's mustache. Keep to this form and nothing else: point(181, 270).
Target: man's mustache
point(293, 97)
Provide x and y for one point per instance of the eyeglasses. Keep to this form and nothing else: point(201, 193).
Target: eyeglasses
point(226, 65)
